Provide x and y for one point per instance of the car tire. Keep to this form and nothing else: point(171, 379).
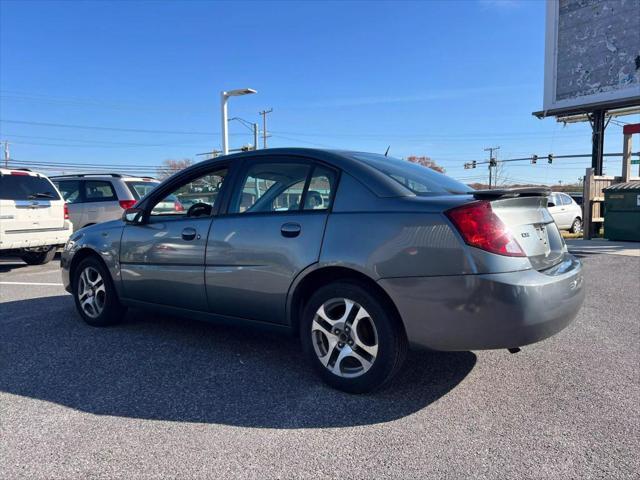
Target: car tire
point(94, 294)
point(359, 359)
point(39, 258)
point(576, 226)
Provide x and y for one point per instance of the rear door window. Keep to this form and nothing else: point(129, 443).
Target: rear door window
point(566, 199)
point(70, 190)
point(271, 187)
point(99, 191)
point(321, 188)
point(26, 187)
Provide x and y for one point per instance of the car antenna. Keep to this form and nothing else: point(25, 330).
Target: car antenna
point(387, 152)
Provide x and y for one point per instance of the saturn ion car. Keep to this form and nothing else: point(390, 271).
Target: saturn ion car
point(359, 255)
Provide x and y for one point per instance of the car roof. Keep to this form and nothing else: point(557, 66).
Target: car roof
point(21, 171)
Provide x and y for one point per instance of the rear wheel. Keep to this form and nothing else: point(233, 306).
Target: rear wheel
point(39, 257)
point(354, 341)
point(94, 294)
point(576, 226)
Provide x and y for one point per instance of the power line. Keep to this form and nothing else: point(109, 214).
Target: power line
point(99, 142)
point(110, 129)
point(417, 136)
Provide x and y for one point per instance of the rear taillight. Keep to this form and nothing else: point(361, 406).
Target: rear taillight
point(177, 206)
point(127, 204)
point(480, 227)
point(66, 211)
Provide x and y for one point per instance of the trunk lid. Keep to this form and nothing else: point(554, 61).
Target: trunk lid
point(524, 212)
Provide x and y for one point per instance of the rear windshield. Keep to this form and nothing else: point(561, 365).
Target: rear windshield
point(26, 187)
point(140, 189)
point(420, 180)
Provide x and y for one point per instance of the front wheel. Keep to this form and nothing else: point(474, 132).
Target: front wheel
point(94, 294)
point(353, 340)
point(576, 226)
point(39, 257)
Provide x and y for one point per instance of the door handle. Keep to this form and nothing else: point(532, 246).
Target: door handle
point(290, 230)
point(189, 233)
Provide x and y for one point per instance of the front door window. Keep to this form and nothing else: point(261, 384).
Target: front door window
point(195, 198)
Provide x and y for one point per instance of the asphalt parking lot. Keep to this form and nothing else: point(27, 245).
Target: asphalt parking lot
point(166, 397)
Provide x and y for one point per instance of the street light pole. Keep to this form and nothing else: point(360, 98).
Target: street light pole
point(251, 126)
point(224, 97)
point(6, 154)
point(225, 126)
point(255, 136)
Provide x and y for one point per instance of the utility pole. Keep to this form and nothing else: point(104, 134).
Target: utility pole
point(6, 154)
point(264, 126)
point(493, 161)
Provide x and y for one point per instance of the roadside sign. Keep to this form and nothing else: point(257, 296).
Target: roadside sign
point(635, 162)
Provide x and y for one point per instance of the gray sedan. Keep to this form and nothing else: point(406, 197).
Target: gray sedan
point(357, 254)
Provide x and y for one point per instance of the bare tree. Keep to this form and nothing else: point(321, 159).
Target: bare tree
point(426, 162)
point(171, 166)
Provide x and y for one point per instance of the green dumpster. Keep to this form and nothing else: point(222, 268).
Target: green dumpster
point(622, 211)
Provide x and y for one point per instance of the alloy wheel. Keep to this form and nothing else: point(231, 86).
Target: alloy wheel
point(344, 337)
point(91, 292)
point(578, 226)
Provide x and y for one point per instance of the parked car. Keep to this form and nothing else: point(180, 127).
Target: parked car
point(394, 255)
point(565, 212)
point(34, 220)
point(95, 198)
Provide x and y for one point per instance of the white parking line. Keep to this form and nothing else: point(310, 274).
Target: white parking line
point(32, 283)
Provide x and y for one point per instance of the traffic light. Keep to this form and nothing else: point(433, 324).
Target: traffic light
point(550, 158)
point(534, 159)
point(493, 162)
point(473, 164)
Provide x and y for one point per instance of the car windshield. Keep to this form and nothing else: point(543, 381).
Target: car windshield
point(140, 188)
point(420, 180)
point(26, 187)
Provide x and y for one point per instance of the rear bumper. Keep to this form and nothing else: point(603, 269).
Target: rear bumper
point(476, 312)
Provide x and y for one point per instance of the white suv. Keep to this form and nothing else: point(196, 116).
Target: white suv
point(33, 216)
point(95, 198)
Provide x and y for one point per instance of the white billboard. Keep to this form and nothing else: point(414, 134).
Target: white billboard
point(592, 57)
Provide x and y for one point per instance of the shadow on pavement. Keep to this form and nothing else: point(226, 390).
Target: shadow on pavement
point(174, 369)
point(11, 262)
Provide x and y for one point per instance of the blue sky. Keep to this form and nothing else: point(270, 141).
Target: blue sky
point(443, 79)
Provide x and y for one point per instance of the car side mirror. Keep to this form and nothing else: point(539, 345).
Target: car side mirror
point(551, 204)
point(133, 216)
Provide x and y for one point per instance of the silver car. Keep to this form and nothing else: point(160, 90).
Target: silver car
point(99, 197)
point(358, 254)
point(565, 212)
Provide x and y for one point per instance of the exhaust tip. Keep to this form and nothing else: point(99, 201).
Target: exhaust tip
point(513, 350)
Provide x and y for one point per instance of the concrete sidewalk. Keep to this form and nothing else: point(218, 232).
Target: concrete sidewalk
point(629, 249)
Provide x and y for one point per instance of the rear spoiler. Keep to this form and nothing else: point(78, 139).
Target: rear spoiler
point(511, 192)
